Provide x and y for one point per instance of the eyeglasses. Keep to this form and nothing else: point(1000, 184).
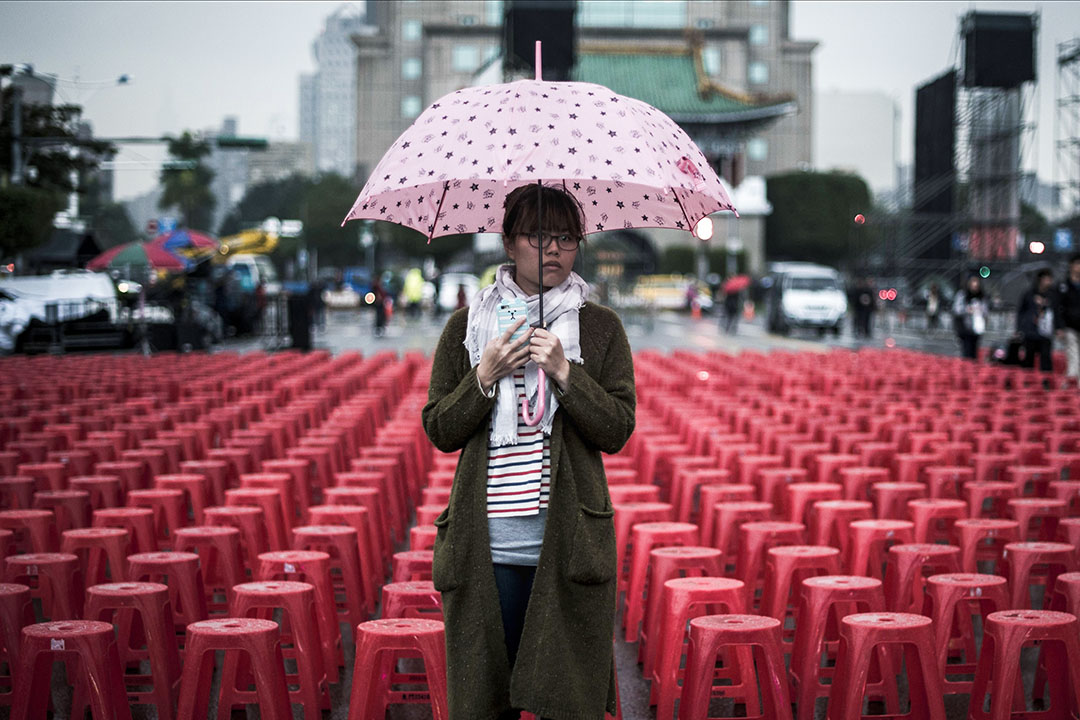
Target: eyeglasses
point(565, 242)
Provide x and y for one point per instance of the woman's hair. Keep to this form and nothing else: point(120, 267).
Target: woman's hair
point(562, 212)
point(967, 287)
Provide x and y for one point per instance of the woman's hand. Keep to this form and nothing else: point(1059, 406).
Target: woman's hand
point(545, 349)
point(502, 356)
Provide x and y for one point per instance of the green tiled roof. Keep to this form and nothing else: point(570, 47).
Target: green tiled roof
point(669, 83)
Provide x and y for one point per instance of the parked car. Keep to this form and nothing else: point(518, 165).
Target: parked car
point(671, 292)
point(804, 295)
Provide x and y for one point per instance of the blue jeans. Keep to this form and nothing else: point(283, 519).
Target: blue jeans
point(514, 583)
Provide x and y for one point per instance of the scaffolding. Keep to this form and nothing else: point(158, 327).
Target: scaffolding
point(1067, 122)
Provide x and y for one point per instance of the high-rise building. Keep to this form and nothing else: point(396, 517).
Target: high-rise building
point(328, 96)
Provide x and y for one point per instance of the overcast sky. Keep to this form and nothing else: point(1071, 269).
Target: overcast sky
point(193, 63)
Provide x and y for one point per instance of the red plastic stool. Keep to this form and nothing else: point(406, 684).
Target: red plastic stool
point(138, 521)
point(299, 632)
point(829, 520)
point(71, 508)
point(860, 635)
point(951, 601)
point(7, 543)
point(1066, 595)
point(132, 474)
point(728, 516)
point(990, 466)
point(755, 538)
point(1035, 563)
point(1069, 532)
point(102, 553)
point(356, 517)
point(104, 490)
point(418, 599)
point(422, 537)
point(379, 527)
point(16, 612)
point(53, 578)
point(169, 511)
point(800, 497)
point(180, 572)
point(626, 516)
point(1038, 518)
point(997, 672)
point(668, 563)
point(379, 645)
point(946, 481)
point(1068, 490)
point(16, 492)
point(891, 498)
point(260, 640)
point(983, 540)
point(216, 472)
point(35, 530)
point(955, 454)
point(313, 568)
point(339, 542)
point(218, 548)
point(119, 604)
point(438, 496)
point(822, 602)
point(785, 568)
point(771, 483)
point(47, 475)
point(907, 568)
point(683, 599)
point(711, 495)
point(620, 494)
point(294, 501)
point(1032, 479)
point(196, 490)
point(644, 537)
point(715, 636)
point(272, 504)
point(411, 565)
point(747, 467)
point(249, 521)
point(870, 540)
point(99, 682)
point(934, 519)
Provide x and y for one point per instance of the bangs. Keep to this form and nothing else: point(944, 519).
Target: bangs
point(562, 213)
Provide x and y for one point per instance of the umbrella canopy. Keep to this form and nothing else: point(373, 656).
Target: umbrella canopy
point(188, 243)
point(627, 163)
point(735, 283)
point(137, 254)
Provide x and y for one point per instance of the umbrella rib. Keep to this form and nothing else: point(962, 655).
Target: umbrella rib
point(435, 220)
point(689, 225)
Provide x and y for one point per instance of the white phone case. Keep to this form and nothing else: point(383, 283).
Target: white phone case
point(510, 311)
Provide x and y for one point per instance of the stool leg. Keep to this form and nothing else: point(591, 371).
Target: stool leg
point(196, 681)
point(697, 681)
point(270, 685)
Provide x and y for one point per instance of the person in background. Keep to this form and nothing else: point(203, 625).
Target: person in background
point(732, 310)
point(969, 316)
point(380, 307)
point(1067, 317)
point(933, 307)
point(1035, 322)
point(862, 300)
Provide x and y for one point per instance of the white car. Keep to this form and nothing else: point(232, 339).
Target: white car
point(804, 295)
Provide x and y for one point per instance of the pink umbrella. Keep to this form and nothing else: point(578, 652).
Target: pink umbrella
point(627, 163)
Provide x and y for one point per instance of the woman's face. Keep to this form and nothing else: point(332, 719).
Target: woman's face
point(974, 285)
point(558, 261)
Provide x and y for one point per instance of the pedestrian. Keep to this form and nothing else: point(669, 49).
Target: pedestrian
point(462, 298)
point(933, 307)
point(381, 298)
point(1035, 322)
point(862, 298)
point(969, 316)
point(732, 310)
point(1067, 317)
point(525, 552)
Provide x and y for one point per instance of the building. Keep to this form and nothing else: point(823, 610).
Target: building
point(858, 132)
point(726, 70)
point(230, 167)
point(278, 161)
point(328, 96)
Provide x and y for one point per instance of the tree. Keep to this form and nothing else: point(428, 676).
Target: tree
point(812, 217)
point(58, 154)
point(188, 187)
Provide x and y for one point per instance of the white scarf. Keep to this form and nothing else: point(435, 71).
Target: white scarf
point(561, 305)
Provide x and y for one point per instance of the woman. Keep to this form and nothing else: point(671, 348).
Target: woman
point(969, 316)
point(525, 552)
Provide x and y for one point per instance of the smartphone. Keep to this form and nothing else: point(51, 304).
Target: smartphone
point(509, 312)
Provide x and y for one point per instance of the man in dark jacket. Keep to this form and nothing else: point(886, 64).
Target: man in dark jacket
point(1035, 321)
point(1067, 316)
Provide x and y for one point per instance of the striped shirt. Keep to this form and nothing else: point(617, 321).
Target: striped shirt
point(519, 476)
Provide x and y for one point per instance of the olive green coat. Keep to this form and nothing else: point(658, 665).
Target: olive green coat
point(565, 666)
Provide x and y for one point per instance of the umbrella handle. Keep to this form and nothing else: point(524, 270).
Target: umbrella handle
point(541, 401)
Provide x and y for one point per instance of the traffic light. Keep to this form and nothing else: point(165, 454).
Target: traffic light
point(984, 272)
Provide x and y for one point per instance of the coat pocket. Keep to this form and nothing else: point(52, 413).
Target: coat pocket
point(444, 559)
point(592, 557)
